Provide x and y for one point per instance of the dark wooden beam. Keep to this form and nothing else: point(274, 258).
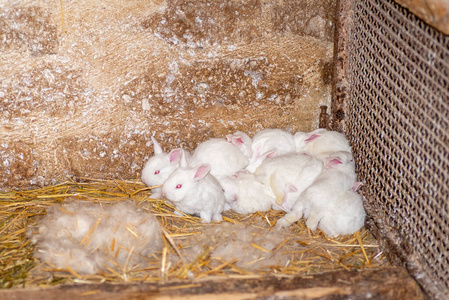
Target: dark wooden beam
point(385, 283)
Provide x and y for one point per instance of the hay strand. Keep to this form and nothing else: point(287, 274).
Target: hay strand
point(187, 253)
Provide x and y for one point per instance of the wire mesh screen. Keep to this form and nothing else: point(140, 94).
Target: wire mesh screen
point(398, 124)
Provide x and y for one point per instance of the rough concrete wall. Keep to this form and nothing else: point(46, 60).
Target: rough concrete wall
point(85, 83)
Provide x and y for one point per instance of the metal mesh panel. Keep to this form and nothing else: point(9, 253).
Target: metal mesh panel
point(398, 124)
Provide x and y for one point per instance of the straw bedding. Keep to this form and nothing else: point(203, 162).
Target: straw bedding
point(241, 245)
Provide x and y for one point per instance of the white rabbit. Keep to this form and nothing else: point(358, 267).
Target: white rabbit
point(267, 140)
point(301, 137)
point(245, 194)
point(288, 176)
point(224, 158)
point(259, 158)
point(345, 215)
point(159, 167)
point(242, 141)
point(195, 191)
point(321, 142)
point(337, 177)
point(230, 188)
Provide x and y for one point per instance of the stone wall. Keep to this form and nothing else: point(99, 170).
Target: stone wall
point(85, 83)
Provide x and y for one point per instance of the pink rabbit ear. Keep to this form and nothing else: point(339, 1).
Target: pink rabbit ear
point(331, 163)
point(157, 148)
point(175, 156)
point(356, 186)
point(290, 188)
point(237, 140)
point(234, 139)
point(201, 172)
point(271, 153)
point(312, 138)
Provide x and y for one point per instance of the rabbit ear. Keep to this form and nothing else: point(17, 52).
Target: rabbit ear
point(256, 154)
point(332, 162)
point(201, 172)
point(235, 139)
point(312, 137)
point(156, 146)
point(183, 160)
point(175, 155)
point(271, 153)
point(290, 188)
point(356, 186)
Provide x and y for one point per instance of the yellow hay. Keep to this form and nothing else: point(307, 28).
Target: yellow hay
point(357, 234)
point(308, 252)
point(259, 247)
point(86, 240)
point(73, 272)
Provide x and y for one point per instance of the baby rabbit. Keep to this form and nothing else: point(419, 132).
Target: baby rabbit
point(242, 141)
point(223, 157)
point(159, 167)
point(288, 176)
point(337, 177)
point(195, 191)
point(268, 140)
point(321, 142)
point(345, 215)
point(245, 195)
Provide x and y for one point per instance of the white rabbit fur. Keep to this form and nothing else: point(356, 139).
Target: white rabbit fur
point(345, 215)
point(159, 167)
point(195, 191)
point(223, 157)
point(288, 176)
point(259, 158)
point(267, 140)
point(245, 194)
point(242, 141)
point(336, 179)
point(230, 188)
point(321, 142)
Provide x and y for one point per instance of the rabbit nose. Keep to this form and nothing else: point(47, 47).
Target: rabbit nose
point(164, 194)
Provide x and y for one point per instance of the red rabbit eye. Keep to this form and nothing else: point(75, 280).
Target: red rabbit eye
point(179, 186)
point(157, 172)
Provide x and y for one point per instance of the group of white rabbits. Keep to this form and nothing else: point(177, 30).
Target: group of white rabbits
point(306, 174)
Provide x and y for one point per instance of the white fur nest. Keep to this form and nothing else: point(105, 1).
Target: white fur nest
point(87, 237)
